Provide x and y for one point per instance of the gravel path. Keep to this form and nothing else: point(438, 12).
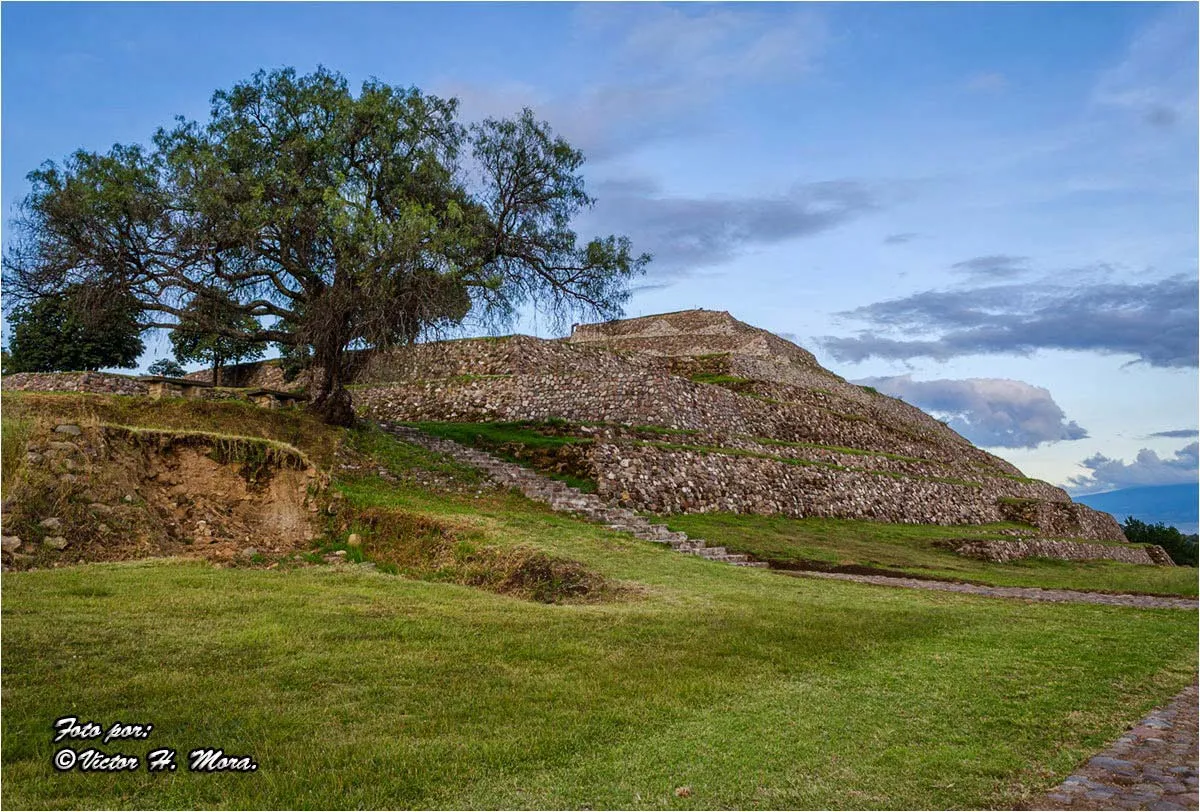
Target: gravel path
point(1152, 766)
point(1025, 593)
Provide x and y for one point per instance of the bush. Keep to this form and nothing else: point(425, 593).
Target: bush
point(167, 368)
point(1181, 548)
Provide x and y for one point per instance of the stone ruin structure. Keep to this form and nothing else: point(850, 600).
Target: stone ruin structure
point(696, 411)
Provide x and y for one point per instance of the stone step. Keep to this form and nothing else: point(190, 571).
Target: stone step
point(568, 499)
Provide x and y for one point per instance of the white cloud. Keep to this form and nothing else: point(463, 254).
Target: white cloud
point(1107, 474)
point(991, 412)
point(665, 67)
point(1156, 81)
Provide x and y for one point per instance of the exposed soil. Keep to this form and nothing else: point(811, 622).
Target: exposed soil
point(110, 494)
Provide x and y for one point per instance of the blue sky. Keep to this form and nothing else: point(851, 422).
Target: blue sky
point(989, 210)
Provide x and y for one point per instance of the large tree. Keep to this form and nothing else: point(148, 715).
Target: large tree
point(335, 222)
point(78, 329)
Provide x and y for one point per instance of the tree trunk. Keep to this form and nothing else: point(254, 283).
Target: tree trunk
point(332, 400)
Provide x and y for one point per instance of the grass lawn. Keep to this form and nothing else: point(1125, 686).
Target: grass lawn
point(353, 688)
point(912, 549)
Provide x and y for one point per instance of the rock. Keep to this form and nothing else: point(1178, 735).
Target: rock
point(53, 523)
point(10, 544)
point(355, 540)
point(1114, 765)
point(68, 428)
point(100, 507)
point(22, 558)
point(56, 542)
point(62, 445)
point(248, 552)
point(33, 458)
point(129, 497)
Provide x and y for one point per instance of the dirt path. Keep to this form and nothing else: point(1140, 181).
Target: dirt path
point(1153, 766)
point(1020, 592)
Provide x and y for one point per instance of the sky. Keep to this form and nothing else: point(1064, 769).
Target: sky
point(988, 210)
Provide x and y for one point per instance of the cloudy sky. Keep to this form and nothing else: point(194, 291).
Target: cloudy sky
point(989, 210)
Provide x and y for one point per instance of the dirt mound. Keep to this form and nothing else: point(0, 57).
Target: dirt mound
point(425, 548)
point(106, 493)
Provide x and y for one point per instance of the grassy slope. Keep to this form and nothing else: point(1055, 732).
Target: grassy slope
point(912, 549)
point(353, 688)
point(233, 417)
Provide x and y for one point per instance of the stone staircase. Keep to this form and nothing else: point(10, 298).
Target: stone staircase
point(566, 499)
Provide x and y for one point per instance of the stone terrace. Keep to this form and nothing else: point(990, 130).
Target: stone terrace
point(780, 435)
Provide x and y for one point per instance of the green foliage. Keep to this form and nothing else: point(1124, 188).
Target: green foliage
point(1180, 547)
point(75, 330)
point(167, 368)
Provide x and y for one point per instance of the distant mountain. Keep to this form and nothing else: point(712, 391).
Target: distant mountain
point(1173, 505)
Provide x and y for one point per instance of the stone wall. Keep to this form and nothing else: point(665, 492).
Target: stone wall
point(632, 392)
point(690, 333)
point(667, 481)
point(781, 447)
point(1000, 551)
point(255, 375)
point(99, 382)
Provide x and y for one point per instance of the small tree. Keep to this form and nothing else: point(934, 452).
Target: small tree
point(79, 329)
point(167, 368)
point(213, 331)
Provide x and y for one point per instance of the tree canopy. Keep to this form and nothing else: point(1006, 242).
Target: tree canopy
point(78, 329)
point(167, 368)
point(333, 221)
point(1181, 548)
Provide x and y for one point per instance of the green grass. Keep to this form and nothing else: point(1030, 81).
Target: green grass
point(545, 435)
point(357, 689)
point(14, 434)
point(914, 549)
point(360, 690)
point(526, 432)
point(719, 379)
point(293, 427)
